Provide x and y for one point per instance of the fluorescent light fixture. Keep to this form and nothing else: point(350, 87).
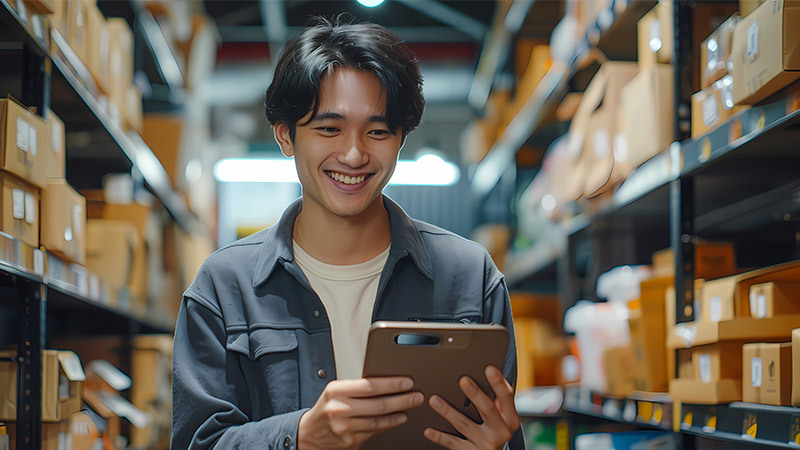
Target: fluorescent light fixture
point(427, 170)
point(370, 3)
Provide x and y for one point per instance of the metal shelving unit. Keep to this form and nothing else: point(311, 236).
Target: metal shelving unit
point(41, 296)
point(739, 183)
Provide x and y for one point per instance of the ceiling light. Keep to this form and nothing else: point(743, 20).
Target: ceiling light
point(370, 3)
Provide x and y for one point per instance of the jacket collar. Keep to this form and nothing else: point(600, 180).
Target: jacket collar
point(277, 245)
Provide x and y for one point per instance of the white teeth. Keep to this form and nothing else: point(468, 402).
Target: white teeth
point(346, 179)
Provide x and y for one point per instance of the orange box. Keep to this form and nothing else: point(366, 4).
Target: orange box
point(20, 209)
point(796, 367)
point(713, 106)
point(716, 362)
point(97, 47)
point(714, 393)
point(777, 374)
point(64, 220)
point(711, 260)
point(23, 141)
point(120, 44)
point(774, 298)
point(751, 373)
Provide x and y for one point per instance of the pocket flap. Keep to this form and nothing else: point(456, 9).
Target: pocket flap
point(257, 343)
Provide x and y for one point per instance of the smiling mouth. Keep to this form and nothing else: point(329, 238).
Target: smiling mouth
point(346, 179)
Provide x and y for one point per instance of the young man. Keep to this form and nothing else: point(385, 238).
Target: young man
point(271, 336)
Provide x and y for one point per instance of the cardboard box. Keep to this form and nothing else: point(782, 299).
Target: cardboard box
point(789, 271)
point(621, 371)
point(752, 374)
point(23, 140)
point(777, 374)
point(162, 133)
point(62, 385)
point(120, 44)
point(649, 334)
point(714, 393)
point(151, 369)
point(594, 128)
point(647, 118)
point(711, 260)
point(766, 51)
point(774, 298)
point(538, 351)
point(59, 21)
point(685, 368)
point(715, 53)
point(55, 160)
point(112, 422)
point(134, 213)
point(656, 38)
point(64, 221)
point(691, 334)
point(716, 362)
point(110, 250)
point(97, 48)
point(796, 366)
point(76, 432)
point(20, 209)
point(748, 6)
point(713, 106)
point(40, 6)
point(78, 27)
point(717, 302)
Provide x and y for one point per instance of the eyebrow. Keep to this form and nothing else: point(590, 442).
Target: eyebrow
point(329, 115)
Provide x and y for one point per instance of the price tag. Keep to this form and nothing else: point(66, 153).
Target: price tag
point(793, 103)
point(761, 121)
point(687, 418)
point(18, 204)
point(734, 130)
point(794, 431)
point(645, 410)
point(30, 208)
point(705, 150)
point(710, 422)
point(750, 425)
point(710, 111)
point(658, 414)
point(22, 134)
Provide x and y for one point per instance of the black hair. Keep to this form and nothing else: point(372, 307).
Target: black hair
point(326, 46)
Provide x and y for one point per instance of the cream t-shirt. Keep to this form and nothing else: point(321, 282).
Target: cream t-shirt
point(348, 294)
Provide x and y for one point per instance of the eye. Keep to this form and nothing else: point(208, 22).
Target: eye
point(380, 133)
point(327, 130)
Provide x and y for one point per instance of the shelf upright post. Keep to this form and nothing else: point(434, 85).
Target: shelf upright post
point(35, 80)
point(29, 364)
point(682, 189)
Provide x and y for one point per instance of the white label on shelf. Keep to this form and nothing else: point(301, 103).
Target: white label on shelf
point(72, 365)
point(30, 208)
point(38, 262)
point(22, 134)
point(710, 111)
point(56, 137)
point(655, 42)
point(77, 219)
point(752, 41)
point(18, 203)
point(755, 371)
point(761, 306)
point(22, 11)
point(715, 309)
point(33, 148)
point(38, 29)
point(705, 367)
point(94, 286)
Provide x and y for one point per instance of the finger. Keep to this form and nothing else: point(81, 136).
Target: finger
point(375, 424)
point(446, 440)
point(457, 419)
point(387, 404)
point(504, 396)
point(483, 403)
point(372, 387)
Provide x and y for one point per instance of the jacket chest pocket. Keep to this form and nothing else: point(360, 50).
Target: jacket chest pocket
point(269, 361)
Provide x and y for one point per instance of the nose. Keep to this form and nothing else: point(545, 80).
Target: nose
point(355, 154)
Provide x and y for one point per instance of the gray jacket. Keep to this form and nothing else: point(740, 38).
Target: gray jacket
point(253, 346)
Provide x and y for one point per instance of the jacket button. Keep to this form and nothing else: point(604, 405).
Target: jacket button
point(316, 313)
point(322, 373)
point(287, 441)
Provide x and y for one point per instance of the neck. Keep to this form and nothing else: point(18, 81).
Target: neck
point(340, 240)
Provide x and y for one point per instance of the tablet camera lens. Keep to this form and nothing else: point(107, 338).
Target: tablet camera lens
point(450, 339)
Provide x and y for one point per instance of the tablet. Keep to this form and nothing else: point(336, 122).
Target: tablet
point(436, 356)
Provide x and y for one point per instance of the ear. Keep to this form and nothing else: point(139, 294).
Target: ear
point(282, 137)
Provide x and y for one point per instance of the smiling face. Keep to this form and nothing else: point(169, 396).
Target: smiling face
point(345, 154)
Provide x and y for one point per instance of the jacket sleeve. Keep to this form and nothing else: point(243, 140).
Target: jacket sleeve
point(206, 383)
point(497, 304)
